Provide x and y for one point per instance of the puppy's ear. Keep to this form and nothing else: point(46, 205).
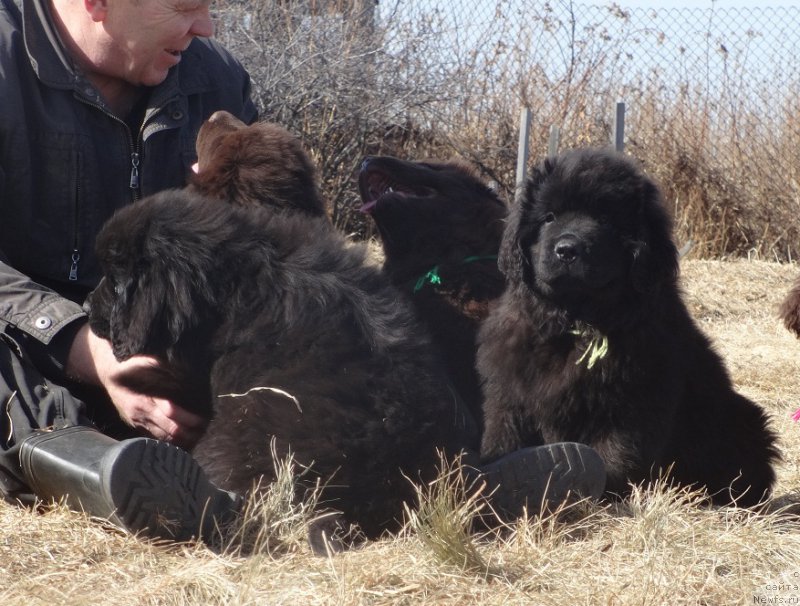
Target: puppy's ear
point(512, 258)
point(655, 257)
point(160, 305)
point(218, 175)
point(133, 320)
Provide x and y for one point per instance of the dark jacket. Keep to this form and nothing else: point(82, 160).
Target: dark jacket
point(67, 163)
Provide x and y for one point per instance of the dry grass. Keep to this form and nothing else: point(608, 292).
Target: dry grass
point(658, 547)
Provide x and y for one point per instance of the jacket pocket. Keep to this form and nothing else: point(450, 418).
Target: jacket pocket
point(39, 214)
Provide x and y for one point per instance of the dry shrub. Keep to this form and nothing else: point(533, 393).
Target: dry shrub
point(328, 73)
point(352, 78)
point(727, 191)
point(447, 510)
point(273, 521)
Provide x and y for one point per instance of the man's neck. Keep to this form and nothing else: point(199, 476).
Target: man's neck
point(78, 34)
point(119, 96)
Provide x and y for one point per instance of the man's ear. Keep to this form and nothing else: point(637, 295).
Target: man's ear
point(97, 9)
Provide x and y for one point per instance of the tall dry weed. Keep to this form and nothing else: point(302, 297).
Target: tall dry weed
point(353, 77)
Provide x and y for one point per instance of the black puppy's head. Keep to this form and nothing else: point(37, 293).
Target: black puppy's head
point(590, 228)
point(163, 269)
point(430, 212)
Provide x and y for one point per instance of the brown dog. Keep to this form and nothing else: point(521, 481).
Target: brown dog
point(262, 163)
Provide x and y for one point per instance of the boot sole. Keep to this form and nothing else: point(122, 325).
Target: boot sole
point(543, 477)
point(160, 491)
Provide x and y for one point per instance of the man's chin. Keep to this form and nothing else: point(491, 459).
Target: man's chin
point(151, 82)
point(154, 76)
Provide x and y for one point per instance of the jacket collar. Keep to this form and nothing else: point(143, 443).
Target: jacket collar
point(45, 51)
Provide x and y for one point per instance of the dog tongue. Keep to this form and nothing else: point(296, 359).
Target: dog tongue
point(367, 207)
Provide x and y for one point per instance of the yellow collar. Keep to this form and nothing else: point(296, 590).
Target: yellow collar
point(597, 349)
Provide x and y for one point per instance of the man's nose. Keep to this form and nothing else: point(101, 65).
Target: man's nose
point(203, 26)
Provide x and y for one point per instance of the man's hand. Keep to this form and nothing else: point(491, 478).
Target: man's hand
point(92, 361)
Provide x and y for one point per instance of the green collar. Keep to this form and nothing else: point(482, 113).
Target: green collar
point(433, 277)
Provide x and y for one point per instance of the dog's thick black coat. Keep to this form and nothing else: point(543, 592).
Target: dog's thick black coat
point(440, 228)
point(293, 336)
point(591, 341)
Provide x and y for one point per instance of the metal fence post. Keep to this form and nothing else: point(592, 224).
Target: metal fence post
point(523, 149)
point(619, 127)
point(554, 141)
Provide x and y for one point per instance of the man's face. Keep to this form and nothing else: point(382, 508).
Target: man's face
point(146, 37)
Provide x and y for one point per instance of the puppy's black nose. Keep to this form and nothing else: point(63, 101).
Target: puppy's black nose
point(567, 249)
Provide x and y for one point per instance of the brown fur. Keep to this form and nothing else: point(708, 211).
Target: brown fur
point(790, 309)
point(262, 163)
point(275, 308)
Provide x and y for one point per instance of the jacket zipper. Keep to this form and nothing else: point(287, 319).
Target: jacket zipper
point(73, 269)
point(134, 182)
point(76, 209)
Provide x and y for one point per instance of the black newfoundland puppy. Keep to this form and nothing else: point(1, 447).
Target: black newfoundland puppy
point(440, 226)
point(286, 333)
point(592, 343)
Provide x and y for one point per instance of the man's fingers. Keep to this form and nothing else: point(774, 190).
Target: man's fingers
point(174, 424)
point(138, 361)
point(180, 436)
point(182, 417)
point(168, 431)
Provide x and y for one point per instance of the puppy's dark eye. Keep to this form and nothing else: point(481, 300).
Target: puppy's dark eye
point(118, 286)
point(548, 218)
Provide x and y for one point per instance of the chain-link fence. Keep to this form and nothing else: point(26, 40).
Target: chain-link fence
point(713, 110)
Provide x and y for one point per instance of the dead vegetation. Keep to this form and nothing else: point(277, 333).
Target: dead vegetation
point(711, 95)
point(349, 89)
point(657, 547)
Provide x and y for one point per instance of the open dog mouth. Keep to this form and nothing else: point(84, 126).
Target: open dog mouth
point(375, 185)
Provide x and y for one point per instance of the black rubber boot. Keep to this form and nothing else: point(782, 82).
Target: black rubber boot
point(142, 485)
point(542, 477)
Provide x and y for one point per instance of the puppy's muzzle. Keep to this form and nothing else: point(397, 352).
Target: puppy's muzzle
point(568, 248)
